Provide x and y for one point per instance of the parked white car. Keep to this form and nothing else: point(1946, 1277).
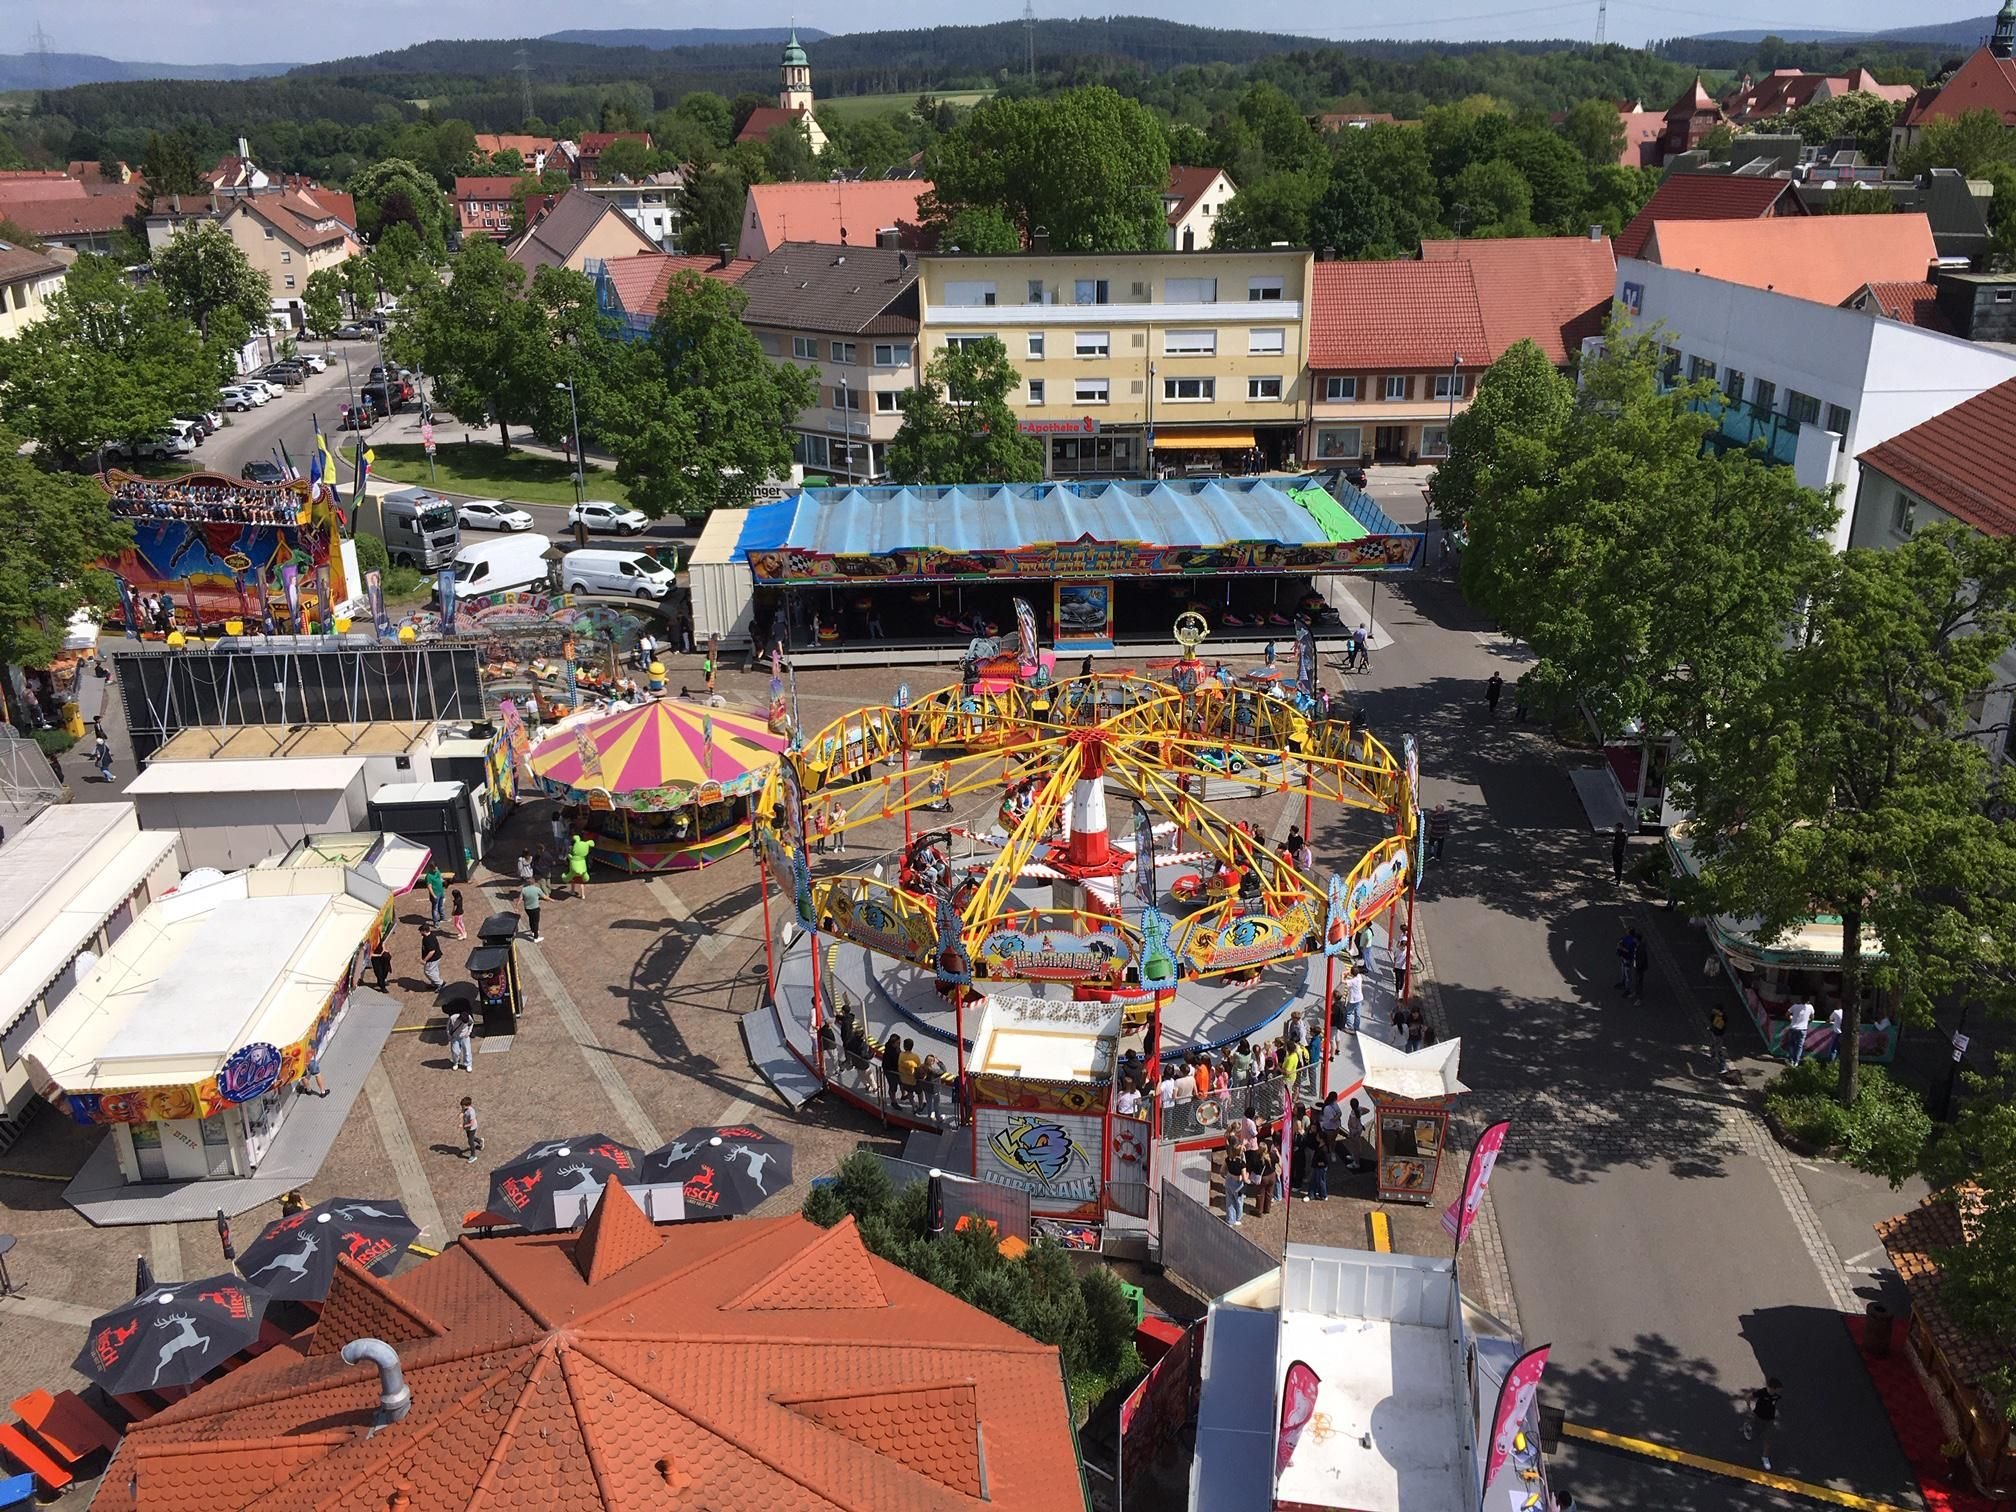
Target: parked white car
point(315, 361)
point(599, 515)
point(262, 392)
point(491, 514)
point(177, 441)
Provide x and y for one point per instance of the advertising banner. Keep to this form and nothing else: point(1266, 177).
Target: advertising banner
point(445, 588)
point(1305, 659)
point(290, 584)
point(1025, 627)
point(374, 591)
point(1083, 615)
point(1458, 1217)
point(1050, 1156)
point(1298, 1406)
point(1515, 1402)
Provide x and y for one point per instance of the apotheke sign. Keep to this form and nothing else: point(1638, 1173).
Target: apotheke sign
point(1083, 427)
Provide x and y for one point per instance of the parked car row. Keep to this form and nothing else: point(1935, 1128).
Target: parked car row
point(523, 562)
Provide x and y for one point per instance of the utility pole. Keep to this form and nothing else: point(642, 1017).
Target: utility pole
point(1602, 15)
point(524, 72)
point(41, 40)
point(1029, 34)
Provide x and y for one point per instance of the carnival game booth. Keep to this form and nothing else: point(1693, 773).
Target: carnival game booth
point(1104, 561)
point(664, 786)
point(1041, 1069)
point(1802, 965)
point(1193, 928)
point(189, 1035)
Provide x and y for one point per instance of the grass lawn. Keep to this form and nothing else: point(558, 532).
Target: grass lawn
point(883, 104)
point(489, 472)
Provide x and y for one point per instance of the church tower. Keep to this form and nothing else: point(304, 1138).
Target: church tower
point(795, 92)
point(2003, 43)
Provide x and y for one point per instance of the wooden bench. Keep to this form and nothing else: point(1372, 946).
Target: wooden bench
point(28, 1454)
point(66, 1423)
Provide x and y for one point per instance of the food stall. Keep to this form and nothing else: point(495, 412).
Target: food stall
point(1411, 1092)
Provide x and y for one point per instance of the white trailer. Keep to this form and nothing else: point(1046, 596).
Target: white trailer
point(724, 593)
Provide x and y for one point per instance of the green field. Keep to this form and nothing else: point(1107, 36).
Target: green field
point(483, 471)
point(884, 104)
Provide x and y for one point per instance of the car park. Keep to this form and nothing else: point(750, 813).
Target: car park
point(491, 514)
point(177, 441)
point(618, 519)
point(202, 427)
point(261, 386)
point(285, 374)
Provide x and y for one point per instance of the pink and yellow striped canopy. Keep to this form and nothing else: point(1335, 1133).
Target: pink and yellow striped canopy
point(656, 755)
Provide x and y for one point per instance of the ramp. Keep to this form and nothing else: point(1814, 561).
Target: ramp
point(789, 1077)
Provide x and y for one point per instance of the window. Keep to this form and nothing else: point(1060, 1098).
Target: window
point(1189, 390)
point(1700, 367)
point(809, 451)
point(1035, 291)
point(843, 351)
point(1669, 370)
point(1090, 291)
point(1035, 346)
point(805, 348)
point(1035, 390)
point(1092, 344)
point(1800, 408)
point(2005, 296)
point(1339, 443)
point(1434, 440)
point(1449, 385)
point(1837, 419)
point(290, 280)
point(888, 401)
point(1764, 397)
point(1190, 343)
point(971, 339)
point(967, 292)
point(1903, 513)
point(269, 232)
point(1263, 288)
point(1732, 385)
point(845, 398)
point(892, 354)
point(1263, 388)
point(1397, 385)
point(1340, 391)
point(1266, 341)
point(1091, 391)
point(1189, 291)
point(286, 256)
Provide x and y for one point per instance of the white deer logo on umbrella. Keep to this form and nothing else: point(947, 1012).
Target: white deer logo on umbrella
point(587, 1186)
point(185, 1338)
point(291, 1260)
point(674, 1153)
point(759, 1162)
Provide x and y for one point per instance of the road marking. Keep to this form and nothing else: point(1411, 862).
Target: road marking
point(1380, 1228)
point(662, 891)
point(397, 1138)
point(635, 1119)
point(1854, 1260)
point(1764, 1478)
point(164, 1246)
point(49, 1311)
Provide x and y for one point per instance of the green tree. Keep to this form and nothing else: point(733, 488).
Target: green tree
point(1400, 179)
point(626, 157)
point(531, 187)
point(1276, 209)
point(1491, 199)
point(1861, 202)
point(699, 419)
point(399, 261)
point(468, 334)
point(709, 111)
point(360, 282)
point(507, 163)
point(170, 166)
point(1088, 165)
point(1555, 173)
point(398, 190)
point(108, 363)
point(1978, 1278)
point(1971, 142)
point(322, 303)
point(1865, 117)
point(1596, 131)
point(1521, 402)
point(1650, 578)
point(710, 209)
point(59, 528)
point(213, 285)
point(980, 228)
point(788, 157)
point(2002, 213)
point(1844, 784)
point(957, 425)
point(1616, 194)
point(452, 151)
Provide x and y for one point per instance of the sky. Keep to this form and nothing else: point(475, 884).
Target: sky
point(229, 31)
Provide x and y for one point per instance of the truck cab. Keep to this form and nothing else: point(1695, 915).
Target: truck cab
point(419, 528)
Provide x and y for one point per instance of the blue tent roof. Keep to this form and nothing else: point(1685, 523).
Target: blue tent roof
point(1006, 516)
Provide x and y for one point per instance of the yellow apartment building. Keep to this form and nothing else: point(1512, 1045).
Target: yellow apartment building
point(1138, 363)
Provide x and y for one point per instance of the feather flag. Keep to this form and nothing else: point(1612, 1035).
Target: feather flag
point(315, 473)
point(365, 457)
point(287, 463)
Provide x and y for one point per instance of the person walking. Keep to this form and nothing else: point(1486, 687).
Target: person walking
point(1763, 1422)
point(1798, 1021)
point(455, 913)
point(437, 891)
point(470, 1131)
point(430, 954)
point(1438, 831)
point(1620, 848)
point(1354, 998)
point(528, 868)
point(1627, 954)
point(1267, 655)
point(1361, 646)
point(908, 1066)
point(930, 1079)
point(461, 1040)
point(530, 896)
point(892, 1069)
point(381, 964)
point(1260, 1177)
point(101, 758)
point(1718, 1038)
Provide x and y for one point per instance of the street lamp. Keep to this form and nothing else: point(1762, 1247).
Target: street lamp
point(574, 416)
point(846, 426)
point(1455, 383)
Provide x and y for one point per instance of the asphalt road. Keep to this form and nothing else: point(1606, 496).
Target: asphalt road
point(251, 435)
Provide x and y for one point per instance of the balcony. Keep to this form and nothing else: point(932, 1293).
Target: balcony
point(1739, 426)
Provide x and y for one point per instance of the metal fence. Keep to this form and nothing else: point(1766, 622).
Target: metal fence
point(167, 692)
point(1005, 1207)
point(1206, 1117)
point(1203, 1251)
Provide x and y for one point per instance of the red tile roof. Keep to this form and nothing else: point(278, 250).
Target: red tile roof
point(1405, 314)
point(1963, 460)
point(300, 218)
point(490, 143)
point(640, 281)
point(1914, 303)
point(1823, 257)
point(1914, 1241)
point(832, 213)
point(1707, 196)
point(1693, 101)
point(766, 119)
point(46, 191)
point(88, 215)
point(592, 142)
point(1642, 130)
point(1186, 187)
point(643, 1389)
point(1983, 82)
point(499, 187)
point(1552, 290)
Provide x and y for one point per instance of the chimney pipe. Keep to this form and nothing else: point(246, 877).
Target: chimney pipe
point(721, 251)
point(1329, 254)
point(1039, 239)
point(1595, 233)
point(394, 1400)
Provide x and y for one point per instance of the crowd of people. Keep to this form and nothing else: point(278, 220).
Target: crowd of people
point(217, 503)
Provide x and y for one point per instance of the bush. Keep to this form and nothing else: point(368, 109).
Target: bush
point(1883, 1133)
point(371, 554)
point(402, 583)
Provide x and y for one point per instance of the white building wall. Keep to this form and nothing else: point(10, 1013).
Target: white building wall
point(1888, 376)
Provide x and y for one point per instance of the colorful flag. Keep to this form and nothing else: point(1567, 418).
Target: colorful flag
point(1456, 1220)
point(1515, 1402)
point(1305, 659)
point(1145, 887)
point(374, 590)
point(1298, 1406)
point(365, 457)
point(127, 609)
point(1025, 629)
point(287, 463)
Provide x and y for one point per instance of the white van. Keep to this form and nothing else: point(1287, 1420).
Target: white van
point(517, 561)
point(633, 574)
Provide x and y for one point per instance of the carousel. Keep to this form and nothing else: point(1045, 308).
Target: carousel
point(1090, 889)
point(663, 786)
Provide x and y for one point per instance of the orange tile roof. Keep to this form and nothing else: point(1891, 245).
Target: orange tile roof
point(1693, 101)
point(15, 191)
point(1823, 257)
point(1963, 460)
point(1707, 196)
point(1914, 302)
point(1403, 314)
point(1186, 187)
point(361, 1306)
point(616, 1236)
point(765, 120)
point(640, 280)
point(852, 211)
point(646, 1387)
point(486, 187)
point(490, 143)
point(1642, 131)
point(1552, 290)
point(1983, 82)
point(90, 214)
point(1914, 1240)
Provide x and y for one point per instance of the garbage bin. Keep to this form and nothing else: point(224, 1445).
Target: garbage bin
point(457, 997)
point(1878, 1326)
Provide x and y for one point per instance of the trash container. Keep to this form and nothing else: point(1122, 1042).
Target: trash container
point(1878, 1326)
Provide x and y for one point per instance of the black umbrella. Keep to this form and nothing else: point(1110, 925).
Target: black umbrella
point(295, 1256)
point(171, 1336)
point(524, 1189)
point(726, 1170)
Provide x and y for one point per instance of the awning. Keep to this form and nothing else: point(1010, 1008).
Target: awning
point(1204, 440)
